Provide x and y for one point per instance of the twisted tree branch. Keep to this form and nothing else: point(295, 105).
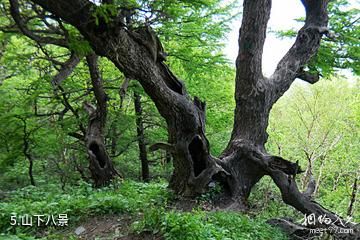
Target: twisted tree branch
point(306, 45)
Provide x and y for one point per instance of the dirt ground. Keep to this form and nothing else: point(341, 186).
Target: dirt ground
point(110, 227)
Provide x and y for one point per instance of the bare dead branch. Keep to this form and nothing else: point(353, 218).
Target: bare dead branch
point(66, 69)
point(164, 146)
point(77, 136)
point(122, 91)
point(308, 77)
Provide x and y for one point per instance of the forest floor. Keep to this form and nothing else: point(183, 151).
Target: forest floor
point(129, 211)
point(110, 227)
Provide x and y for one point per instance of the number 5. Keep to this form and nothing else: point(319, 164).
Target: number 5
point(13, 220)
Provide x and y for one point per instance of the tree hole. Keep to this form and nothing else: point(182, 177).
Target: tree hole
point(94, 148)
point(196, 150)
point(174, 85)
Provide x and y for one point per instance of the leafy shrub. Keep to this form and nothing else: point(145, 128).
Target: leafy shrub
point(198, 225)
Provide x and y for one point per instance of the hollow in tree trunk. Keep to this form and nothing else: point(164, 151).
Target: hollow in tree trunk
point(245, 160)
point(100, 165)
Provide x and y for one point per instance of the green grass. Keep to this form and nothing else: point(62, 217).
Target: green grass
point(79, 202)
point(130, 198)
point(198, 225)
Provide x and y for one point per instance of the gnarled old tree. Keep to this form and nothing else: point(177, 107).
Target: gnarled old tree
point(137, 54)
point(100, 164)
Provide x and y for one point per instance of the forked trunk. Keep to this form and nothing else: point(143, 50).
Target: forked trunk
point(245, 160)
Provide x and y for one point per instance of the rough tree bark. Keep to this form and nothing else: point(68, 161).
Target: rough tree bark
point(101, 167)
point(244, 161)
point(141, 138)
point(194, 166)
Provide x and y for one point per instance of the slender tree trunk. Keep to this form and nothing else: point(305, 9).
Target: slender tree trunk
point(318, 182)
point(79, 168)
point(31, 176)
point(141, 138)
point(308, 171)
point(336, 181)
point(113, 138)
point(113, 144)
point(26, 150)
point(353, 197)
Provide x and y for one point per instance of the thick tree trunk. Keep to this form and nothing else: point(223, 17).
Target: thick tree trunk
point(252, 103)
point(194, 167)
point(100, 165)
point(245, 159)
point(141, 138)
